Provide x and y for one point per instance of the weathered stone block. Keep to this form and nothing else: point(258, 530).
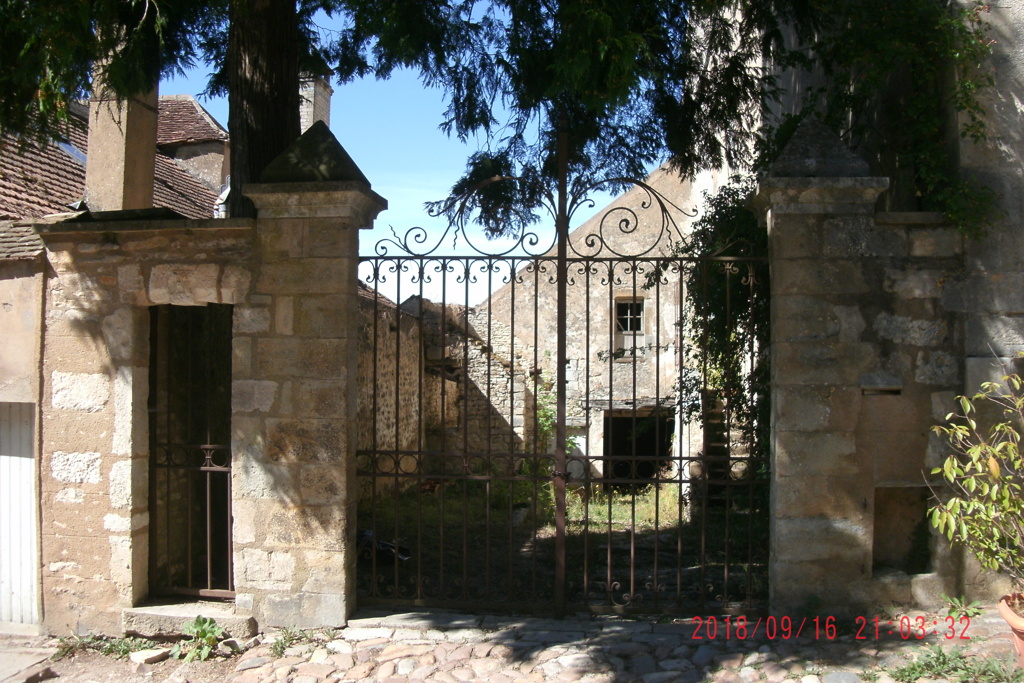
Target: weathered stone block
point(326, 398)
point(855, 237)
point(898, 456)
point(241, 357)
point(902, 412)
point(297, 358)
point(75, 468)
point(800, 239)
point(830, 542)
point(325, 316)
point(85, 392)
point(184, 284)
point(131, 286)
point(911, 284)
point(260, 480)
point(306, 441)
point(828, 278)
point(935, 242)
point(913, 332)
point(937, 368)
point(234, 284)
point(801, 408)
point(265, 570)
point(252, 395)
point(326, 239)
point(284, 315)
point(314, 526)
point(250, 320)
point(321, 276)
point(808, 363)
point(323, 572)
point(807, 454)
point(248, 440)
point(322, 484)
point(993, 335)
point(843, 500)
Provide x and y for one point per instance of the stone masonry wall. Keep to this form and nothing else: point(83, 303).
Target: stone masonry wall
point(390, 371)
point(294, 468)
point(95, 452)
point(862, 350)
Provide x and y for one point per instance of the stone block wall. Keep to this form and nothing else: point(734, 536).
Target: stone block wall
point(864, 356)
point(94, 476)
point(391, 397)
point(294, 467)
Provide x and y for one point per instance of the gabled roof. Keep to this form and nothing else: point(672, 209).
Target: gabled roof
point(182, 119)
point(36, 181)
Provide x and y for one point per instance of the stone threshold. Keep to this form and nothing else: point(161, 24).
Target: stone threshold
point(167, 619)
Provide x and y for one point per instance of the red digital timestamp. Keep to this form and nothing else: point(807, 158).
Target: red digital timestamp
point(827, 628)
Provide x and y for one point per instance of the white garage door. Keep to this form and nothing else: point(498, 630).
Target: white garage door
point(18, 534)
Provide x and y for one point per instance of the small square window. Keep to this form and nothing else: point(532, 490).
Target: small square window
point(629, 316)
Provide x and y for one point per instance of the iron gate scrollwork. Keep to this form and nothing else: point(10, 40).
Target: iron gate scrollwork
point(629, 481)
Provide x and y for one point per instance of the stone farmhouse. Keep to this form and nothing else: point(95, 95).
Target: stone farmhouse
point(161, 365)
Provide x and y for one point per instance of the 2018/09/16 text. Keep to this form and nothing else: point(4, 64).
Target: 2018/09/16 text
point(826, 628)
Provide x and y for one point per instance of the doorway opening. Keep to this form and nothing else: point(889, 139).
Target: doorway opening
point(637, 448)
point(190, 451)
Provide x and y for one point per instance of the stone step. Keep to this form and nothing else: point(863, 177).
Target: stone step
point(164, 620)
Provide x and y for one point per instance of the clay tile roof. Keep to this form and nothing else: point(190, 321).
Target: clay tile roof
point(38, 181)
point(18, 242)
point(183, 119)
point(34, 181)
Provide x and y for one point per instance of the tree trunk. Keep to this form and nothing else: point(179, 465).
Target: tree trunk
point(263, 100)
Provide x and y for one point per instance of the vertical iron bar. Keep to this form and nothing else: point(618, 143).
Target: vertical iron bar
point(443, 266)
point(562, 227)
point(374, 441)
point(466, 470)
point(397, 437)
point(511, 420)
point(420, 445)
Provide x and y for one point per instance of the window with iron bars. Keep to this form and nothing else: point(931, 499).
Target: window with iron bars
point(629, 328)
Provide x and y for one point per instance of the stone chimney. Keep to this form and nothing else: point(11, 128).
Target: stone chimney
point(315, 96)
point(122, 150)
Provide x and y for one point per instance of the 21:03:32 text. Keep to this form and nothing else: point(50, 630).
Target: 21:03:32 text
point(827, 628)
point(950, 628)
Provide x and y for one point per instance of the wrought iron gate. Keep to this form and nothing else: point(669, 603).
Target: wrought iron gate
point(563, 428)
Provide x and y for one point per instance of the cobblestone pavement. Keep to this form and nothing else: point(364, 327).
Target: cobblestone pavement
point(456, 647)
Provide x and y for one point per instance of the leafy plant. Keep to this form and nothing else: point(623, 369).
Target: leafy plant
point(285, 639)
point(959, 607)
point(204, 634)
point(956, 666)
point(984, 508)
point(118, 648)
point(894, 74)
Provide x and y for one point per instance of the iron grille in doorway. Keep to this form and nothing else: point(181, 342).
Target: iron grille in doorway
point(190, 452)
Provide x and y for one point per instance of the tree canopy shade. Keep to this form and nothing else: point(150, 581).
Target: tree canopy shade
point(623, 85)
point(48, 49)
point(628, 83)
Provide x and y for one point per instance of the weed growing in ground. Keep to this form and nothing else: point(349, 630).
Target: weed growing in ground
point(285, 639)
point(956, 666)
point(118, 648)
point(959, 607)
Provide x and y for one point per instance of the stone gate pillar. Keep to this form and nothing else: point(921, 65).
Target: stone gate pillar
point(820, 201)
point(294, 390)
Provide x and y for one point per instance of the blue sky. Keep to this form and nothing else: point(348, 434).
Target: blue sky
point(390, 128)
